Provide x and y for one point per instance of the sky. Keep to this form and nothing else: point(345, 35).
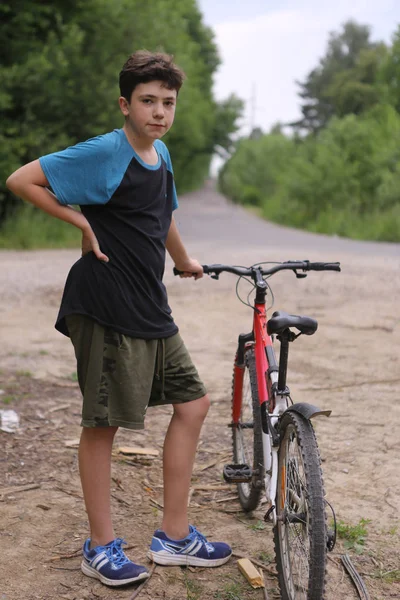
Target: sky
point(266, 45)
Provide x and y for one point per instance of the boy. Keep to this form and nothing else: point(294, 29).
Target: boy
point(115, 310)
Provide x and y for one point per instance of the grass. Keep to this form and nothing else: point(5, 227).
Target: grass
point(7, 399)
point(231, 591)
point(266, 557)
point(73, 376)
point(193, 588)
point(353, 535)
point(377, 225)
point(259, 526)
point(22, 373)
point(392, 576)
point(236, 590)
point(29, 228)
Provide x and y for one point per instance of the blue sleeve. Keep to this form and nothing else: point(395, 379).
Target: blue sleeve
point(163, 150)
point(88, 173)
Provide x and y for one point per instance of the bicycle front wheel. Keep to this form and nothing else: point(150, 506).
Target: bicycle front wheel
point(300, 533)
point(247, 435)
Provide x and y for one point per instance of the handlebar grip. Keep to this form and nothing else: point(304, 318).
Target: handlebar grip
point(178, 272)
point(320, 266)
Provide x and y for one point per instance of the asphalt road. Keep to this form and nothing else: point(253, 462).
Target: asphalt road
point(207, 218)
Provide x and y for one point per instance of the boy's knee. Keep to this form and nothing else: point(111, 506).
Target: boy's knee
point(204, 405)
point(98, 433)
point(196, 409)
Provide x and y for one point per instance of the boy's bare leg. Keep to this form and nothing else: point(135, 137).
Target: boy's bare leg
point(179, 453)
point(95, 471)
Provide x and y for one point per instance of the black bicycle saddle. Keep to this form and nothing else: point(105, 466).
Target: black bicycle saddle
point(281, 321)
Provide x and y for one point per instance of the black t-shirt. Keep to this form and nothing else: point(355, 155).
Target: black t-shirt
point(129, 206)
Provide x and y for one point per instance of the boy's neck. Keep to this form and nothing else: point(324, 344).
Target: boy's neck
point(138, 144)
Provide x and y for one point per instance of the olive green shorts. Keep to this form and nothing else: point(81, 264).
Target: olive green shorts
point(121, 376)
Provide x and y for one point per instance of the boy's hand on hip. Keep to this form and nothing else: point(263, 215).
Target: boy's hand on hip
point(90, 244)
point(190, 268)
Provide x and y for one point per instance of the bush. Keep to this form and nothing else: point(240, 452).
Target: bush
point(345, 181)
point(30, 228)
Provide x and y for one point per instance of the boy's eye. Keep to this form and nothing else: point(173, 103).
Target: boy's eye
point(150, 101)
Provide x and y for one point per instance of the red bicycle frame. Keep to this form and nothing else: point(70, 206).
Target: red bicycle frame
point(263, 351)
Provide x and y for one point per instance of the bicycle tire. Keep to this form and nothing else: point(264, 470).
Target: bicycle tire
point(247, 443)
point(300, 534)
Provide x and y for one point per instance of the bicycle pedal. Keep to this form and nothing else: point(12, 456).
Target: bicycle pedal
point(237, 473)
point(268, 514)
point(330, 540)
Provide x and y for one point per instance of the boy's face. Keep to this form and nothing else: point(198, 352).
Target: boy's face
point(151, 110)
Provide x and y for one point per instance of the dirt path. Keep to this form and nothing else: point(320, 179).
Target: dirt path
point(351, 366)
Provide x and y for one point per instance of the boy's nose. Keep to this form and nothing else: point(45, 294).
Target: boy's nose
point(158, 110)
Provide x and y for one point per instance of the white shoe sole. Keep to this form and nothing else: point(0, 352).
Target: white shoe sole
point(90, 572)
point(173, 560)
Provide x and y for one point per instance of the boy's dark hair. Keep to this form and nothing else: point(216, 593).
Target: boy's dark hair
point(143, 66)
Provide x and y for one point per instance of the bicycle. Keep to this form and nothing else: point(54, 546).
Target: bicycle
point(274, 444)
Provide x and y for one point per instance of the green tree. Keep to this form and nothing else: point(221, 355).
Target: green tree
point(356, 90)
point(390, 72)
point(59, 71)
point(256, 170)
point(344, 81)
point(345, 180)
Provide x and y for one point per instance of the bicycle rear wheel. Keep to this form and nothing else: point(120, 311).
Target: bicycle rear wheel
point(247, 436)
point(300, 533)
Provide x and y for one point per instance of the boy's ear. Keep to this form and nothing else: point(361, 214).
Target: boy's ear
point(124, 105)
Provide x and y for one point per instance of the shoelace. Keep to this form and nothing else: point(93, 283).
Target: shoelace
point(202, 538)
point(115, 554)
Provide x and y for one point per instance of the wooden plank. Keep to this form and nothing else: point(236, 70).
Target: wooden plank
point(213, 486)
point(72, 443)
point(139, 451)
point(249, 571)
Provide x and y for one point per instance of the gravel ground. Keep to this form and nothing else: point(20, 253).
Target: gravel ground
point(351, 365)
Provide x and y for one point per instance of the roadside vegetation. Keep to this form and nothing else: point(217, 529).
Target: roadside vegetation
point(336, 170)
point(59, 67)
point(28, 228)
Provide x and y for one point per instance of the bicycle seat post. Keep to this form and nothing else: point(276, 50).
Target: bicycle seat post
point(285, 337)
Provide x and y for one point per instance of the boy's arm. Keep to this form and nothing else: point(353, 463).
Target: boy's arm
point(29, 183)
point(190, 266)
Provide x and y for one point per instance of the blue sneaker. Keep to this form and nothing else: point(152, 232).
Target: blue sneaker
point(194, 550)
point(110, 564)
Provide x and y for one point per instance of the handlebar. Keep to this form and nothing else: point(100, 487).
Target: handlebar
point(296, 265)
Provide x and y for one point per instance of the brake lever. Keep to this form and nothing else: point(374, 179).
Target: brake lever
point(299, 275)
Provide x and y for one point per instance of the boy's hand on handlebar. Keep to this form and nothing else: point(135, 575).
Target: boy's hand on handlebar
point(90, 244)
point(190, 268)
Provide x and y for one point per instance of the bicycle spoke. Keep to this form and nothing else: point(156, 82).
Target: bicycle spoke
point(245, 435)
point(299, 555)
